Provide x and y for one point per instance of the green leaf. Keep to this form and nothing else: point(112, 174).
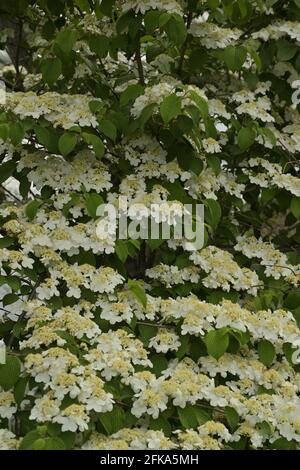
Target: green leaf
point(29, 439)
point(106, 7)
point(113, 421)
point(131, 93)
point(266, 352)
point(192, 416)
point(160, 424)
point(121, 250)
point(217, 342)
point(92, 202)
point(13, 282)
point(5, 242)
point(214, 163)
point(285, 49)
point(292, 300)
point(16, 133)
point(48, 138)
point(215, 212)
point(235, 57)
point(147, 332)
point(53, 443)
point(138, 291)
point(283, 444)
point(96, 142)
point(9, 299)
point(9, 372)
point(176, 29)
point(32, 208)
point(232, 418)
point(51, 70)
point(170, 108)
point(19, 390)
point(295, 207)
point(4, 130)
point(6, 170)
point(66, 39)
point(245, 138)
point(146, 114)
point(108, 129)
point(201, 104)
point(151, 20)
point(99, 45)
point(67, 143)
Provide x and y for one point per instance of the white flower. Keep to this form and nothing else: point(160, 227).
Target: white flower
point(73, 418)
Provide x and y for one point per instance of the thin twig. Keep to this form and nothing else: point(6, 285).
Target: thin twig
point(184, 47)
point(138, 59)
point(10, 193)
point(22, 316)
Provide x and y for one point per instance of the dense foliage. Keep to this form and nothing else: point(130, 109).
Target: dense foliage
point(116, 344)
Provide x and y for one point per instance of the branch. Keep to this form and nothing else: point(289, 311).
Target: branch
point(22, 316)
point(138, 59)
point(10, 193)
point(18, 51)
point(184, 46)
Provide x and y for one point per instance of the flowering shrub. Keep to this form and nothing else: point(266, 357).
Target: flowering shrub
point(144, 344)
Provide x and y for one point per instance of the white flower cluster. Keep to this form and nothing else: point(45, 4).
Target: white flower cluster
point(258, 107)
point(164, 341)
point(130, 439)
point(272, 176)
point(212, 36)
point(208, 184)
point(153, 95)
point(116, 353)
point(172, 275)
point(279, 29)
point(84, 171)
point(8, 440)
point(8, 406)
point(170, 6)
point(278, 326)
point(61, 110)
point(223, 271)
point(276, 263)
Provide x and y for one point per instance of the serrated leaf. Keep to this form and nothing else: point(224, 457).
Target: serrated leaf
point(121, 250)
point(96, 142)
point(217, 342)
point(234, 57)
point(32, 208)
point(19, 390)
point(215, 212)
point(108, 129)
point(67, 143)
point(51, 70)
point(266, 352)
point(92, 202)
point(66, 39)
point(6, 170)
point(201, 104)
point(170, 108)
point(232, 418)
point(112, 421)
point(9, 372)
point(99, 45)
point(295, 207)
point(245, 138)
point(130, 94)
point(138, 291)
